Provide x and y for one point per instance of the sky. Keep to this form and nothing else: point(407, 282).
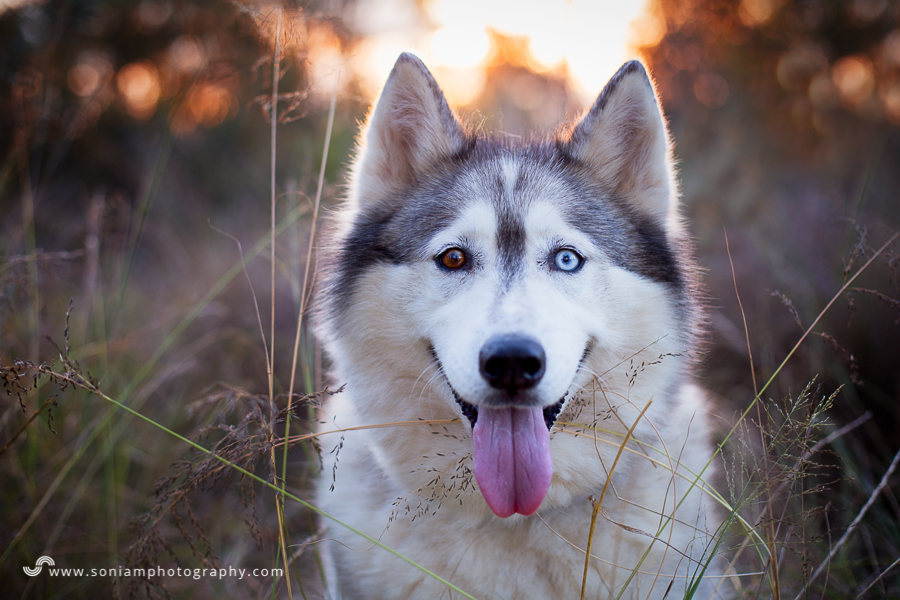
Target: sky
point(586, 39)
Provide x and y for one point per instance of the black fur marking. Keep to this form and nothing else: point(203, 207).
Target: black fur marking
point(510, 240)
point(394, 231)
point(364, 247)
point(633, 241)
point(551, 412)
point(653, 257)
point(469, 411)
point(587, 350)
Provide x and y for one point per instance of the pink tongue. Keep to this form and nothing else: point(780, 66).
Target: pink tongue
point(512, 459)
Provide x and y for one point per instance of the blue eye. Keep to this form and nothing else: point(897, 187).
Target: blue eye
point(567, 260)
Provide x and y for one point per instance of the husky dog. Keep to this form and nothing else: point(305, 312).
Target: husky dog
point(514, 324)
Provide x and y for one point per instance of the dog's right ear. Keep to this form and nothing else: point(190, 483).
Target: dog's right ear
point(624, 143)
point(409, 131)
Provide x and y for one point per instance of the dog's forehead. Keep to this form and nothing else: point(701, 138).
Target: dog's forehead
point(511, 180)
point(510, 199)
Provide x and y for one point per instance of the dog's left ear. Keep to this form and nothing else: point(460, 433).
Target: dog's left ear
point(410, 130)
point(623, 140)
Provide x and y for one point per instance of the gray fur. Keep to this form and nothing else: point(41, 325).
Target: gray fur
point(404, 333)
point(394, 230)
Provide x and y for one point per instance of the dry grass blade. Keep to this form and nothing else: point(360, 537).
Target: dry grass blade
point(793, 350)
point(304, 296)
point(279, 499)
point(834, 298)
point(587, 551)
point(308, 436)
point(770, 536)
point(28, 422)
point(597, 503)
point(877, 579)
point(853, 525)
point(743, 316)
point(262, 332)
point(11, 262)
point(75, 378)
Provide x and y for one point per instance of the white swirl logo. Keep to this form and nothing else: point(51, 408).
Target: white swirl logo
point(44, 560)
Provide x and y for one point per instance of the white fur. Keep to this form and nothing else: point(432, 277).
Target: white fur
point(411, 486)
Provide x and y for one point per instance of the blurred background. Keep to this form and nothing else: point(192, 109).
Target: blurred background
point(136, 149)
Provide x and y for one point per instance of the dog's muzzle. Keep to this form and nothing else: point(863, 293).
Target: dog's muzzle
point(512, 364)
point(510, 434)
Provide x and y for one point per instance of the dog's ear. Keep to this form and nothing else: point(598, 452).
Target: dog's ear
point(408, 132)
point(623, 140)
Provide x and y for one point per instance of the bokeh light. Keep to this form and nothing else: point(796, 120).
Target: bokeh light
point(150, 15)
point(891, 48)
point(754, 13)
point(855, 79)
point(138, 82)
point(89, 73)
point(187, 54)
point(890, 95)
point(711, 89)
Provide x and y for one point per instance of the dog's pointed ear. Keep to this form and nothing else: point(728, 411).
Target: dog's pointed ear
point(410, 130)
point(624, 142)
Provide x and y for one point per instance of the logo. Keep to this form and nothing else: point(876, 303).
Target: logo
point(44, 560)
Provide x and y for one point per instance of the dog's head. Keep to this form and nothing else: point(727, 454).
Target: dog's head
point(492, 279)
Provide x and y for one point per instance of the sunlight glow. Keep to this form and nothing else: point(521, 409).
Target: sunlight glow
point(584, 40)
point(325, 59)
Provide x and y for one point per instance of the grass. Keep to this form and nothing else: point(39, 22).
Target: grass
point(770, 499)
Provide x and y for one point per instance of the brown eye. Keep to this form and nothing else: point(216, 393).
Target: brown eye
point(453, 258)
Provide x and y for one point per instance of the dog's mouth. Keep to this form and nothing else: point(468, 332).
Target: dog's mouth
point(470, 411)
point(511, 456)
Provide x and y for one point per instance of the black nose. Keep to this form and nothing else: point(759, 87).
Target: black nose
point(512, 363)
